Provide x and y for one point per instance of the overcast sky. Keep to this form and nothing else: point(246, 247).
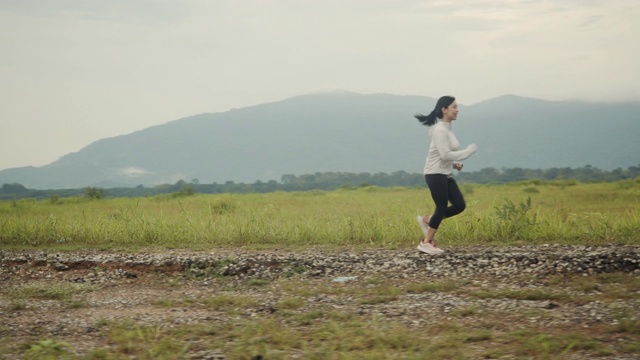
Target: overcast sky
point(76, 71)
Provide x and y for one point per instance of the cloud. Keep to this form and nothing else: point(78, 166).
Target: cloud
point(112, 10)
point(133, 171)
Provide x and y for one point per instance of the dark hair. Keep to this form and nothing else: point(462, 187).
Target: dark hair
point(431, 119)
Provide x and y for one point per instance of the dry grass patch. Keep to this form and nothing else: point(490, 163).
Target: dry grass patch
point(436, 286)
point(229, 302)
point(524, 294)
point(46, 291)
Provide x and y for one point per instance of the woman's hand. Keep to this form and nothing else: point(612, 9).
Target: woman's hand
point(458, 166)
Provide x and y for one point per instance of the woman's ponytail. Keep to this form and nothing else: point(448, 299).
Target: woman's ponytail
point(427, 120)
point(436, 114)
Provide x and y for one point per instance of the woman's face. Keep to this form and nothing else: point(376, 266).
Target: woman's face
point(451, 112)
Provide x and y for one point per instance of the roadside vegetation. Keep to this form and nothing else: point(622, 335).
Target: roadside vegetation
point(529, 212)
point(294, 327)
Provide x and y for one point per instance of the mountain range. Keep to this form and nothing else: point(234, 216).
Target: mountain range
point(346, 132)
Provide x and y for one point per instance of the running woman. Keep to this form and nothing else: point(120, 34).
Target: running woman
point(442, 158)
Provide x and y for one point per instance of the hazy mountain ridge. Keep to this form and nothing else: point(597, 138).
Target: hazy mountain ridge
point(346, 132)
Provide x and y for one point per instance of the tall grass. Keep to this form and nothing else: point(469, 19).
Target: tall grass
point(367, 217)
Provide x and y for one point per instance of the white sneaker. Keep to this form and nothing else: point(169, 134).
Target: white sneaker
point(423, 226)
point(429, 248)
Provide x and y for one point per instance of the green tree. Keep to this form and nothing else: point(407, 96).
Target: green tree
point(14, 188)
point(95, 193)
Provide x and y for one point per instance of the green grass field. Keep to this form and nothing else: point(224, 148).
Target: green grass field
point(532, 212)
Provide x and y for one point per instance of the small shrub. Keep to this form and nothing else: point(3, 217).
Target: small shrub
point(465, 311)
point(295, 270)
point(222, 207)
point(290, 304)
point(48, 349)
point(75, 304)
point(467, 189)
point(514, 221)
point(95, 193)
point(628, 324)
point(258, 282)
point(477, 336)
point(17, 306)
point(62, 292)
point(425, 287)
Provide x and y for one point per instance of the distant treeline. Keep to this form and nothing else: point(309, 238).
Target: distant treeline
point(327, 181)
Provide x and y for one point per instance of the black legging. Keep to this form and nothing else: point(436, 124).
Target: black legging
point(444, 190)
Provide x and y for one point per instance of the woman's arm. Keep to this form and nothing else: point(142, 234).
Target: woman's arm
point(441, 141)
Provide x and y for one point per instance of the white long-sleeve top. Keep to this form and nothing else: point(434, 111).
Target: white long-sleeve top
point(443, 150)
